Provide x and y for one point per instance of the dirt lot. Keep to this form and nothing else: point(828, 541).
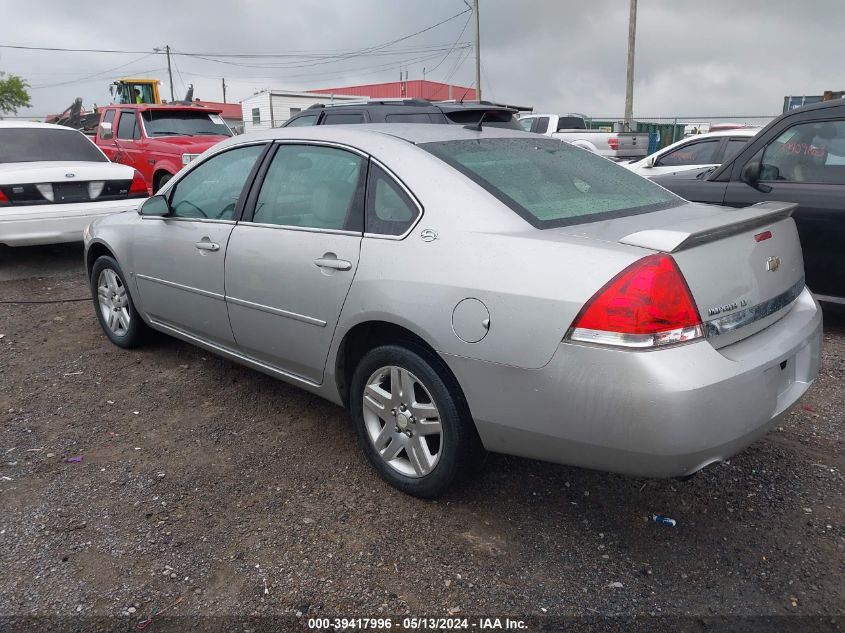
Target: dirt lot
point(204, 480)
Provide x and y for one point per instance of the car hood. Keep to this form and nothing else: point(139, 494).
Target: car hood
point(62, 171)
point(183, 144)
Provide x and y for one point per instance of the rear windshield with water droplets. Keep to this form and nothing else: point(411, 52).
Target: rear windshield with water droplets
point(551, 183)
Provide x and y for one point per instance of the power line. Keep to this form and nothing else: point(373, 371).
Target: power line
point(457, 39)
point(86, 77)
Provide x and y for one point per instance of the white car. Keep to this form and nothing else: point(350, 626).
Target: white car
point(54, 182)
point(694, 152)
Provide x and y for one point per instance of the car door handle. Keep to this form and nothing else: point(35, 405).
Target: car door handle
point(207, 246)
point(333, 262)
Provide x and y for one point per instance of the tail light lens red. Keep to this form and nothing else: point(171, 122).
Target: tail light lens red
point(138, 188)
point(4, 199)
point(613, 142)
point(646, 305)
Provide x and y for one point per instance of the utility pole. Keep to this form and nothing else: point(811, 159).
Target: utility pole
point(629, 84)
point(169, 72)
point(478, 53)
point(224, 90)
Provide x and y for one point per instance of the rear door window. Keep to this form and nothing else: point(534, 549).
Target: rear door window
point(733, 147)
point(418, 117)
point(314, 187)
point(550, 183)
point(696, 153)
point(302, 121)
point(342, 118)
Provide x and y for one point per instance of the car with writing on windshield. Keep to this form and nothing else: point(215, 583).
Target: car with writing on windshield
point(158, 140)
point(464, 287)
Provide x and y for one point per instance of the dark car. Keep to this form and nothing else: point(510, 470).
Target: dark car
point(799, 157)
point(407, 111)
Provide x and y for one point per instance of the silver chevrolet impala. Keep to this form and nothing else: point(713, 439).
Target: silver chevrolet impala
point(460, 289)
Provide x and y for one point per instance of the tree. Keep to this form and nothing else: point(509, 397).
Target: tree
point(13, 94)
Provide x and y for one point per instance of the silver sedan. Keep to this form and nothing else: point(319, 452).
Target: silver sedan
point(462, 289)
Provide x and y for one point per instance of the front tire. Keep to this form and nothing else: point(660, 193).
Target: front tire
point(162, 180)
point(411, 420)
point(114, 306)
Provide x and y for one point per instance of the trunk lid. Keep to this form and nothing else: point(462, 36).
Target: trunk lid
point(45, 182)
point(744, 267)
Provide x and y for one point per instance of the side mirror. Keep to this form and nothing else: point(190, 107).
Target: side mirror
point(106, 130)
point(649, 162)
point(157, 206)
point(750, 175)
point(751, 172)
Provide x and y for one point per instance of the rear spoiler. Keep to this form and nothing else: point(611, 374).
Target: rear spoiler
point(691, 233)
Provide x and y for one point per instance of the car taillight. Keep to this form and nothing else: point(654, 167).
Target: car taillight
point(138, 188)
point(647, 305)
point(4, 199)
point(613, 142)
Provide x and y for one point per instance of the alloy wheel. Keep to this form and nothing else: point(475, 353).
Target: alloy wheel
point(402, 421)
point(114, 302)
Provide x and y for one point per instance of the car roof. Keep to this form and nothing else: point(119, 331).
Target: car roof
point(355, 134)
point(739, 131)
point(32, 124)
point(447, 106)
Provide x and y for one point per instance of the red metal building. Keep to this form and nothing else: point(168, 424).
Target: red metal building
point(413, 89)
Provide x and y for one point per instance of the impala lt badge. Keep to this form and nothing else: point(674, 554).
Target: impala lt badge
point(772, 264)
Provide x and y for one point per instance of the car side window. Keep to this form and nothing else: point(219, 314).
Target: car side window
point(302, 121)
point(313, 187)
point(807, 152)
point(525, 124)
point(343, 118)
point(542, 125)
point(734, 147)
point(126, 126)
point(109, 116)
point(390, 211)
point(696, 153)
point(211, 190)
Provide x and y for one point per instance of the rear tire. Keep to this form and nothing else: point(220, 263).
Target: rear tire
point(114, 306)
point(411, 420)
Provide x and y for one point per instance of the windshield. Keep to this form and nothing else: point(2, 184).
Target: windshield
point(550, 183)
point(184, 123)
point(27, 144)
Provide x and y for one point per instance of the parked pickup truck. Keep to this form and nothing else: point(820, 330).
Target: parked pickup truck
point(158, 140)
point(573, 129)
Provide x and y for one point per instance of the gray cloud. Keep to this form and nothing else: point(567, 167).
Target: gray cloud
point(722, 57)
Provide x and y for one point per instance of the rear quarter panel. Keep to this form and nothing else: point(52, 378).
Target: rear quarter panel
point(532, 282)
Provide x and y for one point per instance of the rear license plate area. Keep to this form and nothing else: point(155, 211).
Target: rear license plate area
point(70, 192)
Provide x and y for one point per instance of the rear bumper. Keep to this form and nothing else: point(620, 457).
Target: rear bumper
point(663, 413)
point(54, 224)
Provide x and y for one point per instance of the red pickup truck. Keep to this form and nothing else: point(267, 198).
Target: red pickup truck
point(158, 140)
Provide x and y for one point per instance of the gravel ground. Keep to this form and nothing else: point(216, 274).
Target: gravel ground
point(202, 480)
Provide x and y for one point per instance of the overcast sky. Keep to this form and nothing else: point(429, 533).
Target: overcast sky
point(693, 58)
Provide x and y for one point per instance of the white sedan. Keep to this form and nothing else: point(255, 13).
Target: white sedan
point(693, 152)
point(54, 182)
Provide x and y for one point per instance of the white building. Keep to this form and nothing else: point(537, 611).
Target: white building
point(271, 108)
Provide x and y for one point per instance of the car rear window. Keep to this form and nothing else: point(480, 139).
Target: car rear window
point(550, 183)
point(27, 145)
point(492, 118)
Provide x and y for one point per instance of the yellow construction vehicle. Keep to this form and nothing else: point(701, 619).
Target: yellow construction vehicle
point(135, 90)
